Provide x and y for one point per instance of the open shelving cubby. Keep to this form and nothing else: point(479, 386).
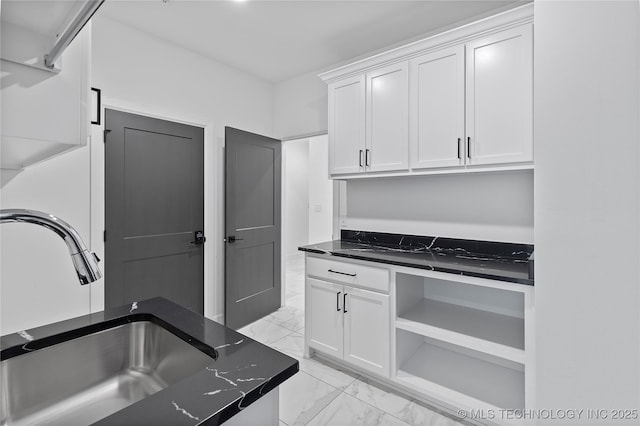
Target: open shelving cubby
point(434, 366)
point(486, 319)
point(462, 339)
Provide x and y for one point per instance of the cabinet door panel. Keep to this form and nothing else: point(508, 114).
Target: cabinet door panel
point(346, 125)
point(387, 118)
point(500, 97)
point(366, 330)
point(324, 321)
point(437, 109)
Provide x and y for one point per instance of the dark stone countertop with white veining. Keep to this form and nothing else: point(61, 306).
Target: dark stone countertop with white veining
point(243, 371)
point(500, 261)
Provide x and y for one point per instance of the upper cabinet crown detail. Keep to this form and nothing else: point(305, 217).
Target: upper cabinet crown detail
point(458, 101)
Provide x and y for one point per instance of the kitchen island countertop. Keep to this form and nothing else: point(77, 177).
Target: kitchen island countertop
point(243, 371)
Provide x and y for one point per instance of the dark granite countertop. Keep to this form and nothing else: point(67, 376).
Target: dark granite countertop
point(507, 262)
point(243, 371)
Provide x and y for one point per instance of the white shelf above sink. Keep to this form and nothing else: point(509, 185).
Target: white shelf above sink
point(17, 153)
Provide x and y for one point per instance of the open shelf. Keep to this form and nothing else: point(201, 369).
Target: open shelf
point(431, 366)
point(485, 319)
point(499, 335)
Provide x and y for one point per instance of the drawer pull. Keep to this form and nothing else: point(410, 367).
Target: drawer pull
point(338, 301)
point(341, 273)
point(344, 302)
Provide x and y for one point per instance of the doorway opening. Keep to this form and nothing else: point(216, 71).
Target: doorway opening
point(307, 208)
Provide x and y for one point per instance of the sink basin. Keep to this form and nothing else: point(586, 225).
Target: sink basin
point(80, 381)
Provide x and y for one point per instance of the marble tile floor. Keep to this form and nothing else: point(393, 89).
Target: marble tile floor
point(322, 394)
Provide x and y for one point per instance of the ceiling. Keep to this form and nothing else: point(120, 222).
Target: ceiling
point(273, 40)
point(278, 40)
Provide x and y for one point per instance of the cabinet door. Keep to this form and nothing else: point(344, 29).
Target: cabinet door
point(437, 109)
point(346, 125)
point(323, 316)
point(500, 97)
point(387, 119)
point(366, 330)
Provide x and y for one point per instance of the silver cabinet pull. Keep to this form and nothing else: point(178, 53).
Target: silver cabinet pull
point(344, 302)
point(459, 158)
point(360, 158)
point(341, 273)
point(367, 156)
point(469, 146)
point(338, 301)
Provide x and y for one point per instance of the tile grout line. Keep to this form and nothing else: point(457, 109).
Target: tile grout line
point(326, 406)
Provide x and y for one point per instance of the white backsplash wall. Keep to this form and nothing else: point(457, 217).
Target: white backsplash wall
point(494, 206)
point(38, 283)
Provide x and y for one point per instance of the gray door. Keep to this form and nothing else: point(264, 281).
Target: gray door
point(154, 206)
point(252, 222)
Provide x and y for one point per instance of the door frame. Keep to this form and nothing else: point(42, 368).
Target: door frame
point(339, 187)
point(213, 205)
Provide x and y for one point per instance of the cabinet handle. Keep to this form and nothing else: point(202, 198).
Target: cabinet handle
point(459, 158)
point(338, 301)
point(360, 158)
point(344, 302)
point(366, 157)
point(341, 273)
point(469, 146)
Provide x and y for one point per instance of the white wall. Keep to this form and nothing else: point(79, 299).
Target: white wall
point(146, 75)
point(587, 208)
point(139, 73)
point(296, 195)
point(301, 106)
point(320, 191)
point(483, 206)
point(38, 283)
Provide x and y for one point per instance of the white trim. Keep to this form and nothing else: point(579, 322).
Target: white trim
point(440, 171)
point(477, 29)
point(213, 249)
point(283, 221)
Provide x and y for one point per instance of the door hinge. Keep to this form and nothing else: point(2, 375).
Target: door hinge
point(106, 132)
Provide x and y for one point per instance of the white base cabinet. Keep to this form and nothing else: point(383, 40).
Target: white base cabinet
point(324, 317)
point(456, 342)
point(366, 330)
point(346, 322)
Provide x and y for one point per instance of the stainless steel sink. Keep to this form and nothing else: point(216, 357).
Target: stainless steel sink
point(83, 380)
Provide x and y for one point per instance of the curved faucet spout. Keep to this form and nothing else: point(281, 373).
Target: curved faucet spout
point(85, 263)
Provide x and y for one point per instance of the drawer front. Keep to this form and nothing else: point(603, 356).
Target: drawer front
point(364, 276)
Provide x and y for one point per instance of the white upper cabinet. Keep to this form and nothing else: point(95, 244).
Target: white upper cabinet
point(500, 97)
point(387, 147)
point(455, 102)
point(346, 125)
point(437, 109)
point(368, 122)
